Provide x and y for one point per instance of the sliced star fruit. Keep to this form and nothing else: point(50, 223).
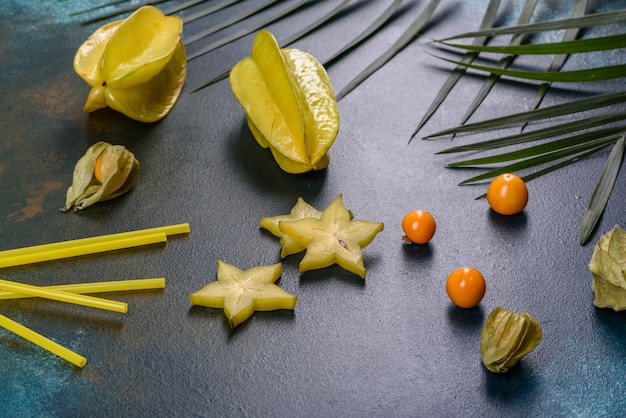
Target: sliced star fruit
point(136, 66)
point(240, 293)
point(289, 103)
point(301, 210)
point(333, 238)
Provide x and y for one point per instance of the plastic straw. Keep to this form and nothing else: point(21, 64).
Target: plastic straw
point(48, 252)
point(98, 287)
point(68, 297)
point(168, 230)
point(43, 342)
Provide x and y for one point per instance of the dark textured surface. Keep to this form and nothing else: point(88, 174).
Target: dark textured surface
point(392, 345)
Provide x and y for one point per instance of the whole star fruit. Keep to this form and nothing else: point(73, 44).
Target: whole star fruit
point(289, 104)
point(136, 66)
point(240, 292)
point(334, 238)
point(104, 172)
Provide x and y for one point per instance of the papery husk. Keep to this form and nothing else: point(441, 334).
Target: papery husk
point(608, 267)
point(119, 170)
point(506, 338)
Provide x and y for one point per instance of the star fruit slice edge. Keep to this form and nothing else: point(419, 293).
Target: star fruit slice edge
point(241, 292)
point(300, 210)
point(334, 238)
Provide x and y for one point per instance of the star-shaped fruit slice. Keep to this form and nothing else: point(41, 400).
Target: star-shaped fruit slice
point(334, 238)
point(300, 210)
point(240, 292)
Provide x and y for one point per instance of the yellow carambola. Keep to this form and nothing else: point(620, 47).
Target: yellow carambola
point(332, 238)
point(136, 66)
point(289, 102)
point(241, 292)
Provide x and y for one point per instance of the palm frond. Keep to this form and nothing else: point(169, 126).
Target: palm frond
point(369, 30)
point(595, 19)
point(587, 137)
point(505, 62)
point(601, 193)
point(540, 160)
point(397, 46)
point(190, 3)
point(567, 108)
point(282, 42)
point(561, 164)
point(602, 43)
point(456, 74)
point(559, 146)
point(313, 25)
point(559, 60)
point(226, 23)
point(372, 28)
point(248, 30)
point(574, 76)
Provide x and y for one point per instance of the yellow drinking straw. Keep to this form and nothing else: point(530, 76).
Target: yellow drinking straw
point(78, 250)
point(92, 245)
point(98, 287)
point(62, 296)
point(43, 342)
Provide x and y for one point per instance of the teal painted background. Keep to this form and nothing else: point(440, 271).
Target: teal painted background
point(389, 346)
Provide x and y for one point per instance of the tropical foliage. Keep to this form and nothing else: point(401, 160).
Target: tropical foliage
point(535, 152)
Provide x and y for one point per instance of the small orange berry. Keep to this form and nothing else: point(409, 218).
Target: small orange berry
point(418, 226)
point(466, 287)
point(507, 194)
point(97, 170)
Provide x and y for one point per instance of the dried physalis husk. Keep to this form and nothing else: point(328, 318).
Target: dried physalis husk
point(608, 267)
point(103, 173)
point(506, 338)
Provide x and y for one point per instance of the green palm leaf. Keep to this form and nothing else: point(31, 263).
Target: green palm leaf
point(602, 43)
point(228, 22)
point(397, 46)
point(567, 108)
point(282, 42)
point(208, 10)
point(596, 19)
point(549, 132)
point(541, 159)
point(372, 28)
point(559, 60)
point(248, 30)
point(555, 151)
point(456, 74)
point(560, 164)
point(505, 62)
point(601, 193)
point(586, 138)
point(574, 76)
point(185, 5)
